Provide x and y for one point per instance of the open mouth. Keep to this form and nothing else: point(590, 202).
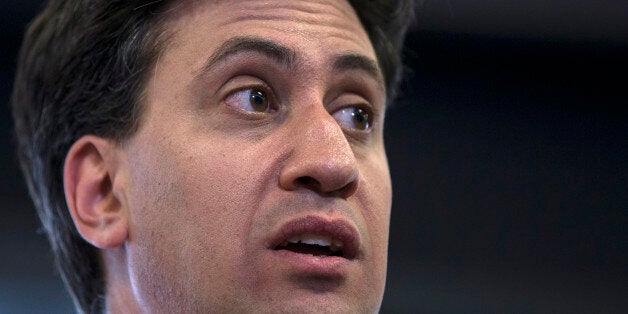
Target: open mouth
point(318, 237)
point(315, 245)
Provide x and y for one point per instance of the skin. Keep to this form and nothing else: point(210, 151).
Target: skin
point(197, 191)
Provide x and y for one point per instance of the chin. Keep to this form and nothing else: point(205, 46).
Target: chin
point(315, 305)
point(309, 301)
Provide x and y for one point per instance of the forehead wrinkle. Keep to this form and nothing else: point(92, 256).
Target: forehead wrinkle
point(326, 15)
point(311, 13)
point(310, 8)
point(328, 27)
point(332, 33)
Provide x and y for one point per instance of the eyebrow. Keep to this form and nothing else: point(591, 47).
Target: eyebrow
point(288, 57)
point(238, 45)
point(358, 62)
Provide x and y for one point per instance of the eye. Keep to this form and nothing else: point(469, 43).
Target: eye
point(250, 99)
point(353, 117)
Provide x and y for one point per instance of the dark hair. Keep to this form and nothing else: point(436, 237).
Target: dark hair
point(81, 70)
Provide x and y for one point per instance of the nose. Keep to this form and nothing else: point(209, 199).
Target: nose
point(322, 159)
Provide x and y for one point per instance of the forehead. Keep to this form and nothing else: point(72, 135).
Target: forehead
point(322, 24)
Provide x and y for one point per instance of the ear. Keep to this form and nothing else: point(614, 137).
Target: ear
point(89, 175)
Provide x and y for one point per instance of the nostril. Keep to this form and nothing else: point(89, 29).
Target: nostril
point(344, 190)
point(309, 182)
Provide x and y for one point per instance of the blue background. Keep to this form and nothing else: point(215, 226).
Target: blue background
point(508, 154)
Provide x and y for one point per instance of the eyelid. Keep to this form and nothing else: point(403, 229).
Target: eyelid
point(366, 108)
point(347, 98)
point(242, 83)
point(363, 88)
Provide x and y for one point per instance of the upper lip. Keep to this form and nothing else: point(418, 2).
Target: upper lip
point(339, 230)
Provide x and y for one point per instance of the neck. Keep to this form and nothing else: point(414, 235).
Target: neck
point(120, 297)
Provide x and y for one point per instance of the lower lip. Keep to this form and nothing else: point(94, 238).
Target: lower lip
point(306, 264)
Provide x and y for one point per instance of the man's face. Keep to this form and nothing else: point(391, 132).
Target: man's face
point(262, 127)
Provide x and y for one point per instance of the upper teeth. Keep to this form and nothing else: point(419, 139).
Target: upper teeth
point(334, 245)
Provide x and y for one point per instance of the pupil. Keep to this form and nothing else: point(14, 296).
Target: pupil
point(361, 118)
point(359, 115)
point(257, 97)
point(258, 100)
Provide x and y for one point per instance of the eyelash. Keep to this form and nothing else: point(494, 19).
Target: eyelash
point(272, 100)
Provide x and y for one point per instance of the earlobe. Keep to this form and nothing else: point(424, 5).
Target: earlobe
point(89, 175)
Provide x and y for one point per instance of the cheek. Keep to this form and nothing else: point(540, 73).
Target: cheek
point(154, 199)
point(186, 207)
point(375, 197)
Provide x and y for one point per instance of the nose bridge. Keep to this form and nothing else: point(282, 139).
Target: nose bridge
point(323, 135)
point(322, 158)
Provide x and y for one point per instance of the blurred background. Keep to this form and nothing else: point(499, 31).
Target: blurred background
point(508, 152)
